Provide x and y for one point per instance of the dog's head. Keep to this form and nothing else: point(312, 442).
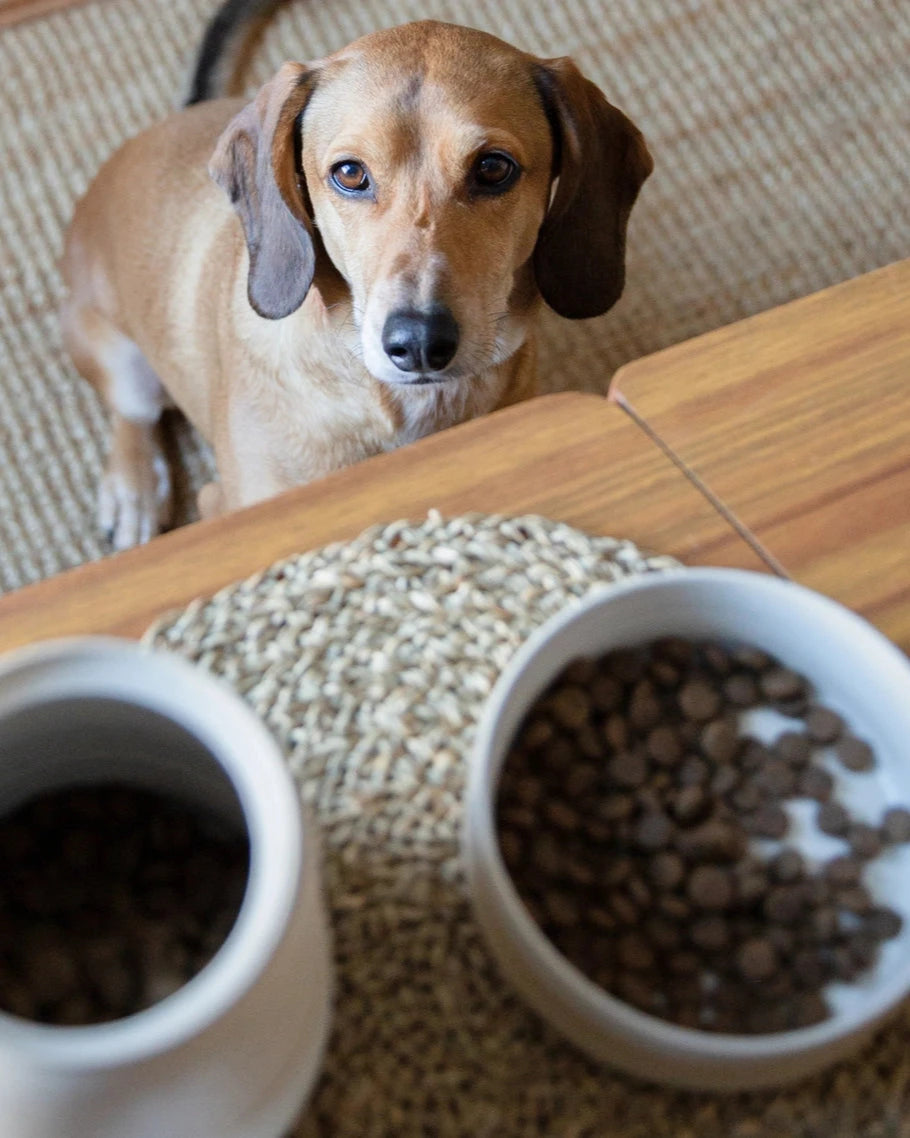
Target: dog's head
point(449, 178)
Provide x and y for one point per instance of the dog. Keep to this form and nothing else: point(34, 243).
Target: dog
point(351, 261)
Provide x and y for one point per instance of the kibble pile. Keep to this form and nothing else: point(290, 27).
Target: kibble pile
point(646, 831)
point(111, 898)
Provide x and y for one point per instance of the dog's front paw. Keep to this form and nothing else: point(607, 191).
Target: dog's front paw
point(135, 505)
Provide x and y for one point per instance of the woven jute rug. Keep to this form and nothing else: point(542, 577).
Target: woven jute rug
point(370, 662)
point(779, 128)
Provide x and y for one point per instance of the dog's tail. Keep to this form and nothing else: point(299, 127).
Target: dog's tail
point(224, 37)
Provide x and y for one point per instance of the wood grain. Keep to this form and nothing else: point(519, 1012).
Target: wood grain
point(798, 420)
point(15, 11)
point(575, 458)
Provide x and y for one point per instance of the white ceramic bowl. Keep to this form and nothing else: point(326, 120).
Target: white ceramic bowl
point(854, 669)
point(235, 1051)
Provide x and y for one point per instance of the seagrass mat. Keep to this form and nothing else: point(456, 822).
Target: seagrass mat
point(779, 127)
point(370, 661)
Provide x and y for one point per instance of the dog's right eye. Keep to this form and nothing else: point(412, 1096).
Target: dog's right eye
point(351, 177)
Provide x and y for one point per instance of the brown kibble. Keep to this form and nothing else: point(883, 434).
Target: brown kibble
point(616, 732)
point(636, 991)
point(633, 951)
point(710, 887)
point(559, 754)
point(561, 908)
point(833, 819)
point(864, 840)
point(690, 805)
point(793, 747)
point(693, 771)
point(823, 725)
point(775, 778)
point(674, 649)
point(627, 664)
point(809, 1008)
point(782, 684)
point(768, 821)
point(757, 959)
point(699, 700)
point(511, 847)
point(747, 797)
point(882, 922)
point(720, 741)
point(753, 755)
point(569, 706)
point(664, 674)
point(664, 745)
point(628, 769)
point(561, 814)
point(785, 904)
point(814, 782)
point(843, 871)
point(673, 906)
point(537, 732)
point(751, 658)
point(581, 780)
point(717, 659)
point(710, 933)
point(616, 807)
point(652, 831)
point(605, 692)
point(581, 671)
point(716, 839)
point(724, 780)
point(855, 754)
point(854, 899)
point(644, 707)
point(741, 690)
point(788, 866)
point(624, 909)
point(667, 870)
point(895, 825)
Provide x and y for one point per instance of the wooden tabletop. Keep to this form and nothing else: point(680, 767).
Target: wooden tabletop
point(575, 458)
point(797, 421)
point(780, 443)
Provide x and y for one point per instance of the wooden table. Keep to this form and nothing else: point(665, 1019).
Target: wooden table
point(797, 422)
point(746, 425)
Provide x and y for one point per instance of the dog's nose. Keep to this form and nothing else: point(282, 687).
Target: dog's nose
point(420, 341)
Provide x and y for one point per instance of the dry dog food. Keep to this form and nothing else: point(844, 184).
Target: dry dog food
point(646, 832)
point(111, 898)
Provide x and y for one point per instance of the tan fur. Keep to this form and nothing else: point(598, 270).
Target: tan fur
point(160, 279)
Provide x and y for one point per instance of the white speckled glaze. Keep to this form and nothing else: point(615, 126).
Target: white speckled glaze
point(235, 1051)
point(854, 669)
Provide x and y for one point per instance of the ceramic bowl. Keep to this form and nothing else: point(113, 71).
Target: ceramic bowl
point(853, 668)
point(234, 1052)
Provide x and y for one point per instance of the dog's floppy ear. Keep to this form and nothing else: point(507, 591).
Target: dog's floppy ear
point(601, 161)
point(256, 163)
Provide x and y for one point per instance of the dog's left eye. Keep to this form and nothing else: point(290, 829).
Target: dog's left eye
point(495, 172)
point(350, 177)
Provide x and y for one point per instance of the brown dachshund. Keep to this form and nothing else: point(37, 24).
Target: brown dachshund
point(363, 266)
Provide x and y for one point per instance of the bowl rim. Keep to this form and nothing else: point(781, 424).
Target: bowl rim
point(483, 856)
point(217, 717)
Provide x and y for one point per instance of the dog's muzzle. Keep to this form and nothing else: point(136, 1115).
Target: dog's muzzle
point(422, 342)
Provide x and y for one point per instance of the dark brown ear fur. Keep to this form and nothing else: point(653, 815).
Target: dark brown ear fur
point(601, 160)
point(255, 164)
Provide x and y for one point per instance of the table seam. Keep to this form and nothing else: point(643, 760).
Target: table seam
point(714, 500)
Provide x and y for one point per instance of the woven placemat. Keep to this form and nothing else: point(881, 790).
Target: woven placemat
point(371, 661)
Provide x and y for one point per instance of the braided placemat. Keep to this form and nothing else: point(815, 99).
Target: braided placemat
point(370, 662)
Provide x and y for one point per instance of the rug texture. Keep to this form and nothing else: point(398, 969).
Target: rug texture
point(779, 128)
point(371, 662)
